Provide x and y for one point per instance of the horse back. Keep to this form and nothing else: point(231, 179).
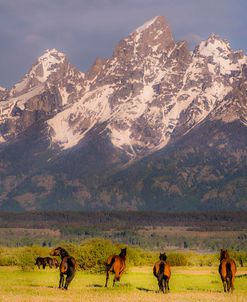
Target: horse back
point(233, 266)
point(167, 272)
point(227, 266)
point(162, 267)
point(67, 264)
point(156, 268)
point(115, 264)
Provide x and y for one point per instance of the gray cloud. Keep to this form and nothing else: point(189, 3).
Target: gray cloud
point(86, 29)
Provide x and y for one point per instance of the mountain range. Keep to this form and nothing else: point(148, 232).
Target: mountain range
point(154, 127)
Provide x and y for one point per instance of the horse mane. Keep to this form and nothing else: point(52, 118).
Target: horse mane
point(163, 256)
point(223, 254)
point(123, 253)
point(62, 252)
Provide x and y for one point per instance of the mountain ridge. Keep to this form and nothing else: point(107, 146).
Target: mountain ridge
point(127, 113)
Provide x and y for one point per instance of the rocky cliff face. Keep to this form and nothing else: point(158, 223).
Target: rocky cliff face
point(134, 123)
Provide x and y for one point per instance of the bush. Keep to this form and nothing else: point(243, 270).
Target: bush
point(92, 254)
point(177, 259)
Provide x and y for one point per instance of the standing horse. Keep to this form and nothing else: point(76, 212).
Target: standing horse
point(227, 270)
point(116, 264)
point(162, 271)
point(67, 266)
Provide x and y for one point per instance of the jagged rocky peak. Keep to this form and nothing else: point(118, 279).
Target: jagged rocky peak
point(151, 38)
point(214, 46)
point(52, 69)
point(48, 63)
point(156, 31)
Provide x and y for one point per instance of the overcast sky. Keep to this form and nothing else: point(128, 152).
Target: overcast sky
point(86, 29)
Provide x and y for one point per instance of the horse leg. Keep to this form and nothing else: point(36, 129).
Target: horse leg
point(107, 278)
point(160, 283)
point(224, 283)
point(228, 284)
point(232, 282)
point(114, 280)
point(69, 279)
point(166, 286)
point(61, 281)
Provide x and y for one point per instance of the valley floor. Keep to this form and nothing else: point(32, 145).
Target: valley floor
point(137, 284)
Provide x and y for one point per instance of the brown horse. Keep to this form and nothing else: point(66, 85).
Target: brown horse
point(227, 270)
point(67, 266)
point(162, 271)
point(116, 264)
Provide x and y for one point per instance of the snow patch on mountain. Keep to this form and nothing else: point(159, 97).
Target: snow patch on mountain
point(68, 127)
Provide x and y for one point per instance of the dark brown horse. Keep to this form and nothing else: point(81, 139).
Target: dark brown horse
point(116, 264)
point(162, 271)
point(67, 266)
point(227, 270)
point(43, 261)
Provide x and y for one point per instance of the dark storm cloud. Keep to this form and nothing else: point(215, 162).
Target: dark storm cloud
point(85, 29)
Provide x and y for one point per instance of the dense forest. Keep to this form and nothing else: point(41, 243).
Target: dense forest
point(154, 231)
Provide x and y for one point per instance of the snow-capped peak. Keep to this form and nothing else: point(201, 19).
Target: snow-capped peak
point(52, 53)
point(147, 24)
point(214, 46)
point(48, 61)
point(2, 88)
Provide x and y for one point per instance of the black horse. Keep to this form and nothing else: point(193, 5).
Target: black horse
point(67, 266)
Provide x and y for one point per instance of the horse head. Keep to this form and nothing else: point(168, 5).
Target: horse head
point(223, 254)
point(123, 252)
point(163, 256)
point(59, 251)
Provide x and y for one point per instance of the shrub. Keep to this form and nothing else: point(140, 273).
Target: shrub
point(177, 259)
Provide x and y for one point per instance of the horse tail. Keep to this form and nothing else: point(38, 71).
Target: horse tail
point(161, 270)
point(228, 271)
point(109, 265)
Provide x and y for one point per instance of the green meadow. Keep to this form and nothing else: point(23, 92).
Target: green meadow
point(194, 275)
point(137, 284)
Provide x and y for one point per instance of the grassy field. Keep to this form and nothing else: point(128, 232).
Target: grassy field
point(137, 284)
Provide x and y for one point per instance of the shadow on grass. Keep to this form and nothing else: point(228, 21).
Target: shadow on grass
point(147, 290)
point(43, 286)
point(192, 289)
point(242, 276)
point(95, 285)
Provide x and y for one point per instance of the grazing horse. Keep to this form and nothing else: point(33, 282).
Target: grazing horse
point(67, 266)
point(162, 271)
point(116, 264)
point(227, 270)
point(43, 261)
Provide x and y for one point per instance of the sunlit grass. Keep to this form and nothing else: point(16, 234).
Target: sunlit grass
point(138, 284)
